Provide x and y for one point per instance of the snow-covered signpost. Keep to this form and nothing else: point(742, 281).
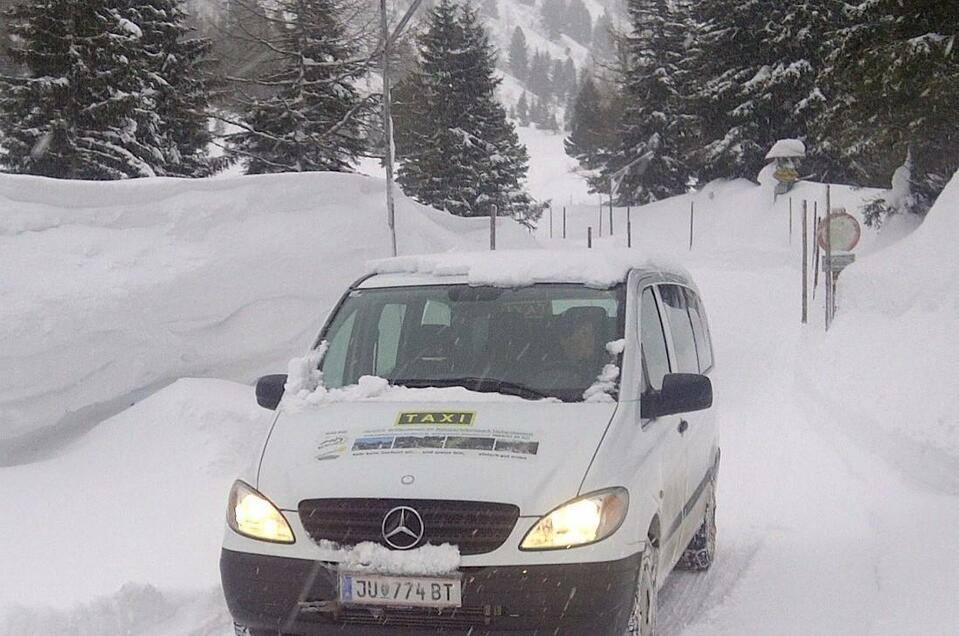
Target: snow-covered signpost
point(786, 153)
point(838, 235)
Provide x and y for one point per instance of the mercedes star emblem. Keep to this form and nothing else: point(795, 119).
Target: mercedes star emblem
point(402, 528)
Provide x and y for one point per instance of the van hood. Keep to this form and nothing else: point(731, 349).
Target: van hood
point(530, 454)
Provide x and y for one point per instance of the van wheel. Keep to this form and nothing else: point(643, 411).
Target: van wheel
point(701, 551)
point(642, 620)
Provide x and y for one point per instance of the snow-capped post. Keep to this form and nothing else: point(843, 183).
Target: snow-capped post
point(787, 154)
point(692, 212)
point(805, 261)
point(790, 220)
point(611, 192)
point(600, 216)
point(815, 248)
point(492, 227)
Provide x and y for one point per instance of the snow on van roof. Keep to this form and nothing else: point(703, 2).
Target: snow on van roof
point(599, 268)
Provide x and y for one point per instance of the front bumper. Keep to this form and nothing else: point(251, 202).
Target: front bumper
point(284, 595)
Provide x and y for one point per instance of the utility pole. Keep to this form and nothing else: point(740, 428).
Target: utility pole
point(388, 126)
point(388, 40)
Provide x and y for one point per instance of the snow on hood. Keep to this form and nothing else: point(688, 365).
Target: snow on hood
point(600, 268)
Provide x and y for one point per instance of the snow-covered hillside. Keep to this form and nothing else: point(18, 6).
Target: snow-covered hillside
point(109, 290)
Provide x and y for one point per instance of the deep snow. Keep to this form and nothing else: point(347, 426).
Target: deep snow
point(825, 527)
point(109, 290)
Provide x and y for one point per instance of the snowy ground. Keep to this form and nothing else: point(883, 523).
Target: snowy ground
point(838, 496)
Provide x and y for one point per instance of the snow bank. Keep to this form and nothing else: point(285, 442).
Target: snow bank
point(139, 499)
point(107, 289)
point(890, 361)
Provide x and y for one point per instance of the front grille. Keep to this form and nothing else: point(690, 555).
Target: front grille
point(458, 618)
point(475, 527)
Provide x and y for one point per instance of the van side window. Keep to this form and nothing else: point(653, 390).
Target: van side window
point(704, 345)
point(652, 341)
point(675, 306)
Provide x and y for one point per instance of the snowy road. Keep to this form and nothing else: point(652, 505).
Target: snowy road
point(817, 535)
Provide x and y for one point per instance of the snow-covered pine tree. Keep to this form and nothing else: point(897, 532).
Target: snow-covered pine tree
point(83, 111)
point(456, 148)
point(892, 86)
point(650, 162)
point(175, 62)
point(518, 55)
point(578, 23)
point(603, 47)
point(522, 110)
point(553, 17)
point(539, 80)
point(312, 119)
point(590, 134)
point(6, 64)
point(756, 65)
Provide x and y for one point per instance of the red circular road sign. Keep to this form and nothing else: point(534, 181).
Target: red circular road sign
point(844, 231)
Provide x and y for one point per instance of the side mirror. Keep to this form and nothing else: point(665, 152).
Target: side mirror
point(269, 390)
point(681, 393)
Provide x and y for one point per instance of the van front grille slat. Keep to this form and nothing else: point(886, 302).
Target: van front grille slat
point(475, 527)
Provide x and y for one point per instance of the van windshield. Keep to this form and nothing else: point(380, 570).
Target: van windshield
point(546, 340)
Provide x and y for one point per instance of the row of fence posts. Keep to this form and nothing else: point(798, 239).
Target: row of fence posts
point(589, 229)
point(821, 258)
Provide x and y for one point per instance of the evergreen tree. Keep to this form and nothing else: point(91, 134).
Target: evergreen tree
point(522, 110)
point(590, 127)
point(312, 120)
point(6, 64)
point(650, 162)
point(176, 63)
point(518, 55)
point(603, 47)
point(87, 110)
point(457, 150)
point(578, 23)
point(553, 17)
point(539, 79)
point(892, 84)
point(757, 64)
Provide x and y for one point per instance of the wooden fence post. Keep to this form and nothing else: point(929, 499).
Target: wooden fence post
point(629, 227)
point(805, 262)
point(492, 227)
point(589, 236)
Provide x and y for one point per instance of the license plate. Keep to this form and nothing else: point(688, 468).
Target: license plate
point(400, 591)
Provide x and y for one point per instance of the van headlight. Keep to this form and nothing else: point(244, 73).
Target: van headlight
point(253, 515)
point(582, 521)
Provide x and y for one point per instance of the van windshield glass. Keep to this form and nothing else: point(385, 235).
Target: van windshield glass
point(545, 340)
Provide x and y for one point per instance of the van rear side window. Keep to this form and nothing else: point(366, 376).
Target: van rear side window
point(675, 306)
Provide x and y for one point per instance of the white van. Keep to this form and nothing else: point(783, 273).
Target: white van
point(496, 443)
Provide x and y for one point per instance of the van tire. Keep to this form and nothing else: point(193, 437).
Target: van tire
point(701, 551)
point(642, 620)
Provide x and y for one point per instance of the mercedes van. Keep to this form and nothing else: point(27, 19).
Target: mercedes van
point(496, 443)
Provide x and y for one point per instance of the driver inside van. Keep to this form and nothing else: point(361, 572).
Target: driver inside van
point(579, 331)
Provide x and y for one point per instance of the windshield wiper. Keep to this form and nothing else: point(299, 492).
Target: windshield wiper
point(483, 385)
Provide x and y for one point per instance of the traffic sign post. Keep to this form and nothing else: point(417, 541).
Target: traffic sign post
point(838, 235)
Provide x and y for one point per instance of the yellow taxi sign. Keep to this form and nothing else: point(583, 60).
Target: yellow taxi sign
point(436, 418)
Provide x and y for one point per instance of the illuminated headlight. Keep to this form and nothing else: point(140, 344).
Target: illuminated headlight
point(253, 515)
point(585, 520)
